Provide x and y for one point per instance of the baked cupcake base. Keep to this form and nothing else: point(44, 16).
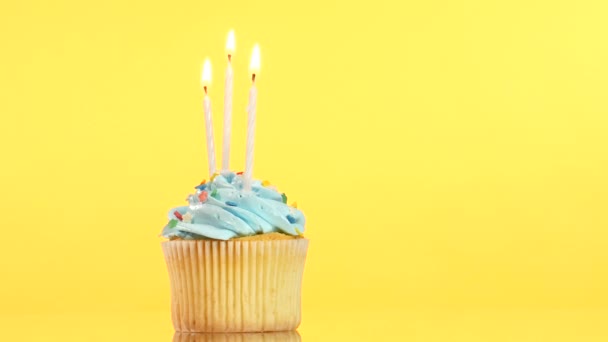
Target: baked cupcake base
point(236, 285)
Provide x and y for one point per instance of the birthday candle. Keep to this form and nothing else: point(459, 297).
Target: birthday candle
point(230, 47)
point(254, 69)
point(206, 81)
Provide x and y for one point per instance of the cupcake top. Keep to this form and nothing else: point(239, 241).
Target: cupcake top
point(220, 209)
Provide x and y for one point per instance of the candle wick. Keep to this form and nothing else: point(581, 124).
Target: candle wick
point(252, 77)
point(229, 58)
point(205, 89)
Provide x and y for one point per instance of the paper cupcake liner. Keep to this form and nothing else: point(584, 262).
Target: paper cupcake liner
point(235, 286)
point(277, 336)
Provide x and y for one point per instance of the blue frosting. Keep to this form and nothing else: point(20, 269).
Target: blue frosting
point(230, 212)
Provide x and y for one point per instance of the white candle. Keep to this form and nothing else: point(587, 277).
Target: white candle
point(254, 68)
point(228, 103)
point(206, 81)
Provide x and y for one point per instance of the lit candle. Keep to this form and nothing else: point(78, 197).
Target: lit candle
point(228, 103)
point(254, 69)
point(205, 82)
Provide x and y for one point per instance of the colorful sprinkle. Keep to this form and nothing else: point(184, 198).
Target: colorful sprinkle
point(214, 193)
point(230, 203)
point(203, 196)
point(265, 183)
point(173, 223)
point(284, 197)
point(201, 186)
point(298, 231)
point(187, 217)
point(291, 219)
point(294, 204)
point(213, 177)
point(240, 173)
point(178, 215)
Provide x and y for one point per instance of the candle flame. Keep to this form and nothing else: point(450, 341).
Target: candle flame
point(230, 45)
point(254, 65)
point(206, 77)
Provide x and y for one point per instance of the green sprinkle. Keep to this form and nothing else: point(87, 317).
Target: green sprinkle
point(214, 193)
point(284, 197)
point(172, 223)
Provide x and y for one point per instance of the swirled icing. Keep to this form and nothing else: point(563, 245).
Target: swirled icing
point(221, 210)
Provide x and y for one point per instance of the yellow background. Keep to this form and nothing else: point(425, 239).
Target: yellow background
point(447, 154)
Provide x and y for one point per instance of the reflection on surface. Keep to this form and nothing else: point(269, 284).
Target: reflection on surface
point(430, 325)
point(277, 336)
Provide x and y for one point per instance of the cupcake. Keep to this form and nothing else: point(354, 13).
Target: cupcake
point(235, 258)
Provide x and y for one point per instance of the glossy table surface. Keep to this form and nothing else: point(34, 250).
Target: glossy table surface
point(404, 325)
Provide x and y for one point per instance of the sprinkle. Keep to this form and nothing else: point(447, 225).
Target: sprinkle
point(240, 173)
point(230, 203)
point(298, 231)
point(291, 219)
point(294, 204)
point(173, 223)
point(214, 193)
point(201, 186)
point(203, 196)
point(178, 215)
point(213, 177)
point(284, 197)
point(265, 183)
point(187, 217)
